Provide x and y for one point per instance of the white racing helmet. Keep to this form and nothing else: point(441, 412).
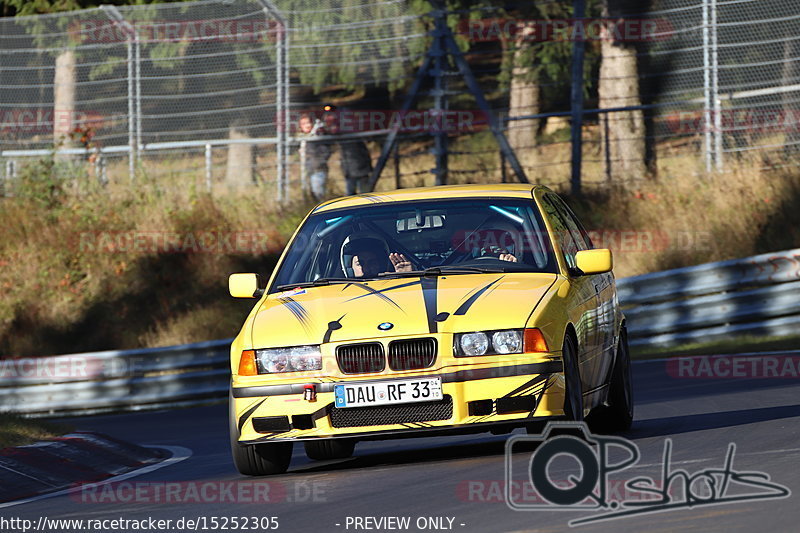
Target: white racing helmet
point(361, 241)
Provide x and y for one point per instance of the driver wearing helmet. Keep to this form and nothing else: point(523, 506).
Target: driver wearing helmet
point(496, 238)
point(365, 256)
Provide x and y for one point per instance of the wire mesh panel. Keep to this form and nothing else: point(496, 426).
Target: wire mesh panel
point(719, 80)
point(759, 74)
point(207, 70)
point(54, 81)
point(214, 90)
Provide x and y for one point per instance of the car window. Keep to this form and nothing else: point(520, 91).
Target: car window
point(580, 234)
point(506, 234)
point(565, 237)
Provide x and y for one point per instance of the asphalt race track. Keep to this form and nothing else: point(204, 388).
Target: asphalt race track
point(435, 480)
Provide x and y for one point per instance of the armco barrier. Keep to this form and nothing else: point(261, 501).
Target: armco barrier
point(757, 295)
point(752, 296)
point(129, 380)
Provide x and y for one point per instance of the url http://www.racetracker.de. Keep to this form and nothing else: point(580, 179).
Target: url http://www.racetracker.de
point(199, 523)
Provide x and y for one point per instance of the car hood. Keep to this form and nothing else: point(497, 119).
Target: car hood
point(401, 306)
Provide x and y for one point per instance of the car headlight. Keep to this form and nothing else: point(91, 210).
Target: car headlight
point(488, 343)
point(509, 341)
point(474, 343)
point(291, 359)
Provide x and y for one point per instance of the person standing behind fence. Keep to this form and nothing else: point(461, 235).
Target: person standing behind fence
point(356, 162)
point(315, 154)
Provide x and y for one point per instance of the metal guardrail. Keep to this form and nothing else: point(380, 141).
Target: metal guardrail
point(117, 380)
point(757, 295)
point(752, 296)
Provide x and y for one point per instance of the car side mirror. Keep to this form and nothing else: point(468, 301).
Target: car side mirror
point(594, 261)
point(245, 285)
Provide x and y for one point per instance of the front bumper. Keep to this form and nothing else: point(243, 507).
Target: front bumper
point(477, 397)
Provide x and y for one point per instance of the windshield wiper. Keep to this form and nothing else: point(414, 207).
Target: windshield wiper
point(315, 283)
point(456, 269)
point(443, 270)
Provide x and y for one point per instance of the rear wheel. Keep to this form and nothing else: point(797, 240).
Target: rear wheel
point(320, 450)
point(617, 414)
point(257, 459)
point(573, 396)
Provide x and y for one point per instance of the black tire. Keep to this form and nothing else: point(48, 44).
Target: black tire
point(257, 459)
point(617, 414)
point(573, 398)
point(319, 450)
point(535, 428)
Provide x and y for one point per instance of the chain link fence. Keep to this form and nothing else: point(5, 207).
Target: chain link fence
point(723, 77)
point(211, 92)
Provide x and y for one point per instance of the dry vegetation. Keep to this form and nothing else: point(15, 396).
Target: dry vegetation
point(65, 289)
point(16, 431)
point(686, 219)
point(72, 278)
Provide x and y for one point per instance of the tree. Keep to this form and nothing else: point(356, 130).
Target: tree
point(532, 60)
point(622, 132)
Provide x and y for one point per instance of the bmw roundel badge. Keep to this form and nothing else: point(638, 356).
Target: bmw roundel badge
point(385, 326)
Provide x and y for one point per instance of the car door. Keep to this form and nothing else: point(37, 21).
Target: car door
point(582, 300)
point(604, 317)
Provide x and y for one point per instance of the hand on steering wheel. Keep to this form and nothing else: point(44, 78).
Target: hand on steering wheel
point(503, 257)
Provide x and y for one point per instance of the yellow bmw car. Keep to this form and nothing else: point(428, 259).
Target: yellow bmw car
point(426, 311)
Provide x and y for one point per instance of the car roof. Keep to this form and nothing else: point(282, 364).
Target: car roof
point(491, 190)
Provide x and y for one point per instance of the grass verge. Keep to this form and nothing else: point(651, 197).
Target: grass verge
point(18, 431)
point(743, 344)
point(84, 268)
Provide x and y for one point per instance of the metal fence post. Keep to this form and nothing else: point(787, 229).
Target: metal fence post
point(286, 98)
point(100, 169)
point(208, 167)
point(576, 95)
point(396, 165)
point(138, 86)
point(11, 170)
point(113, 13)
point(440, 146)
point(279, 152)
point(281, 97)
point(716, 104)
point(303, 173)
point(707, 103)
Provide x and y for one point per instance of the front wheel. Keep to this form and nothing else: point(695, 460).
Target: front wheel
point(573, 397)
point(257, 459)
point(320, 450)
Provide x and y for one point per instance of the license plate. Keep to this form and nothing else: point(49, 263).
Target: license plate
point(388, 392)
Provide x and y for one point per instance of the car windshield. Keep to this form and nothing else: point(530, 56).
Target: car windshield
point(407, 238)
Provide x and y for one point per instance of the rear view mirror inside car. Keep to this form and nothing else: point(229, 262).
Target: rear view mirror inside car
point(419, 222)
